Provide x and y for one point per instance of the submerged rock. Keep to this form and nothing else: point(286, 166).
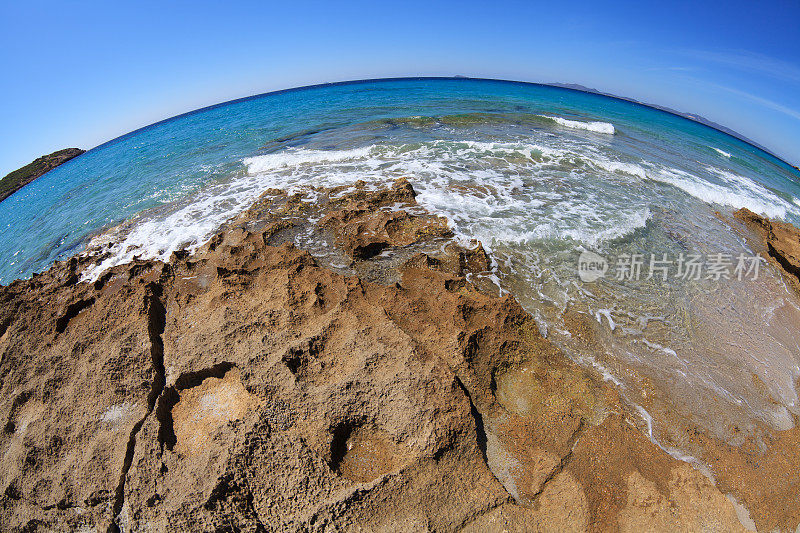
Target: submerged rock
point(247, 387)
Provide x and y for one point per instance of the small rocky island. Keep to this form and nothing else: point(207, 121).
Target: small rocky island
point(17, 179)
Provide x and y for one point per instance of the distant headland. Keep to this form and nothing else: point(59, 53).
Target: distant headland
point(696, 118)
point(17, 179)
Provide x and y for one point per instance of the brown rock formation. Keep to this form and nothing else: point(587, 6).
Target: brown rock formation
point(363, 232)
point(780, 240)
point(248, 388)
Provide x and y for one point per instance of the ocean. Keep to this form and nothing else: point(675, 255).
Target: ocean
point(539, 175)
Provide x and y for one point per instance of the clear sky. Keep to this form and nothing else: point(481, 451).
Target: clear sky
point(81, 73)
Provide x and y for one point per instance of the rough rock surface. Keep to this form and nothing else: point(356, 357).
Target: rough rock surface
point(781, 241)
point(248, 388)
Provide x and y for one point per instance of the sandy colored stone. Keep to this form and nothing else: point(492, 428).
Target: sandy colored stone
point(780, 243)
point(204, 410)
point(690, 495)
point(562, 507)
point(366, 224)
point(77, 380)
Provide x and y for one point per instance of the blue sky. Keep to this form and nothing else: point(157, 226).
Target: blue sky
point(81, 73)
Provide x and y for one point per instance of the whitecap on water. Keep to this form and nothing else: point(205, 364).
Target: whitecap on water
point(730, 190)
point(511, 191)
point(497, 192)
point(594, 126)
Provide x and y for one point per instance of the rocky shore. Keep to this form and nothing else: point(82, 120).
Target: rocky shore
point(384, 385)
point(779, 242)
point(14, 181)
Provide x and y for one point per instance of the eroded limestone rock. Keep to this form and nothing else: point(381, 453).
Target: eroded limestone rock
point(246, 387)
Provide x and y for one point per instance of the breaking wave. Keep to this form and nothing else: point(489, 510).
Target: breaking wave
point(597, 127)
point(730, 190)
point(497, 192)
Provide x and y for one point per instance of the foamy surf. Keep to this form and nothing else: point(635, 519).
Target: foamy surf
point(187, 226)
point(723, 153)
point(734, 191)
point(292, 158)
point(594, 126)
point(501, 193)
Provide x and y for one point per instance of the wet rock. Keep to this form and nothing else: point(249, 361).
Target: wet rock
point(365, 225)
point(780, 240)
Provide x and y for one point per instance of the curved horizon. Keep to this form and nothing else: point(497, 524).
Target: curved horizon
point(535, 265)
point(121, 68)
point(620, 98)
point(137, 172)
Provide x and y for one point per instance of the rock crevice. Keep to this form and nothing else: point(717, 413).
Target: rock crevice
point(156, 320)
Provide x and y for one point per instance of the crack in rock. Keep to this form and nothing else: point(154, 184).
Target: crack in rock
point(71, 312)
point(156, 322)
point(476, 415)
point(787, 265)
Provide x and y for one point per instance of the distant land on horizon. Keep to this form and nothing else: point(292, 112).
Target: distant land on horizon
point(691, 116)
point(17, 179)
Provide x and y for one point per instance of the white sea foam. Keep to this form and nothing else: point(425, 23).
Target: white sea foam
point(269, 162)
point(723, 153)
point(734, 191)
point(594, 126)
point(156, 236)
point(648, 420)
point(744, 515)
point(606, 313)
point(606, 374)
point(619, 167)
point(497, 192)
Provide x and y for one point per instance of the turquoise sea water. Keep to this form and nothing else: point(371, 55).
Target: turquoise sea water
point(537, 174)
point(176, 159)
